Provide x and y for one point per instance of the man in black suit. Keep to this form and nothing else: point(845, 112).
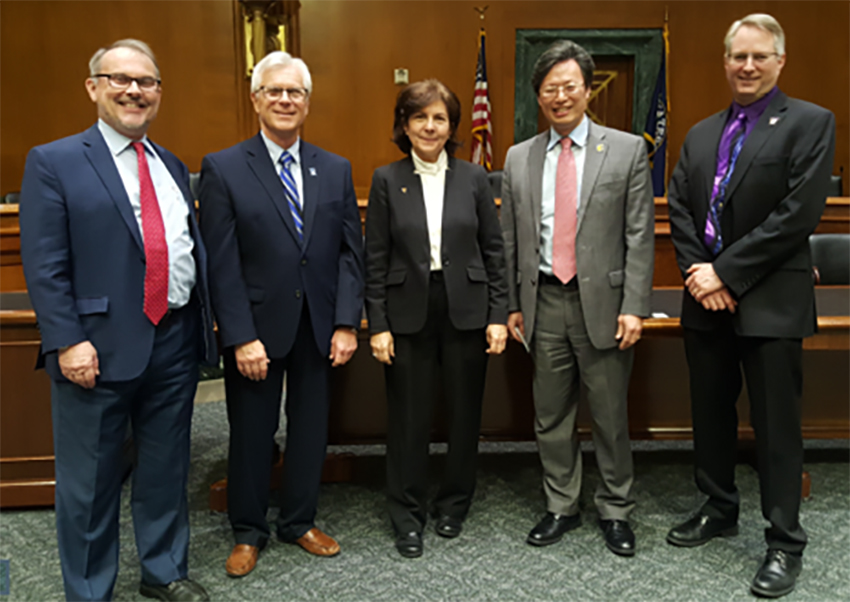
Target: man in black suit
point(749, 188)
point(286, 279)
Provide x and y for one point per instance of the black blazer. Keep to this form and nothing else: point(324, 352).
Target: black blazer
point(398, 250)
point(260, 272)
point(775, 199)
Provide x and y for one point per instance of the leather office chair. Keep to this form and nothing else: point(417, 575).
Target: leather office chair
point(12, 197)
point(194, 183)
point(495, 178)
point(835, 186)
point(831, 258)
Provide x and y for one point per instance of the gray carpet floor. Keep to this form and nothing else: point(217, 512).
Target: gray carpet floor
point(490, 560)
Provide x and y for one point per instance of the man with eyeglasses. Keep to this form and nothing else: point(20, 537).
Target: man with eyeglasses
point(280, 218)
point(116, 272)
point(749, 188)
point(577, 218)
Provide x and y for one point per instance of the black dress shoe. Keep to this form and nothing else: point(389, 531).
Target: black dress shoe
point(699, 529)
point(448, 527)
point(182, 590)
point(618, 537)
point(777, 575)
point(409, 545)
point(552, 528)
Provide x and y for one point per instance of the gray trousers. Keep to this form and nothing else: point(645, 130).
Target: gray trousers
point(563, 358)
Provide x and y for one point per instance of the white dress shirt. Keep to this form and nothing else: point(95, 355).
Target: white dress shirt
point(172, 207)
point(550, 170)
point(275, 151)
point(433, 177)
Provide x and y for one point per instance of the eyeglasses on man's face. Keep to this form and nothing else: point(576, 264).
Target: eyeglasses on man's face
point(275, 94)
point(570, 89)
point(759, 58)
point(121, 81)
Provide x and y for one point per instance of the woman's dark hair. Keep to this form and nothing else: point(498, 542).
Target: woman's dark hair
point(559, 52)
point(415, 97)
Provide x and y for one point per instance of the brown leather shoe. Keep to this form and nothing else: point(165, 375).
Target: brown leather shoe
point(316, 542)
point(243, 559)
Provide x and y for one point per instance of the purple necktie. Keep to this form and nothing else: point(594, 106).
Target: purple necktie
point(727, 155)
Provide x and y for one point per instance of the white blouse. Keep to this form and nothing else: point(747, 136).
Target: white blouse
point(433, 177)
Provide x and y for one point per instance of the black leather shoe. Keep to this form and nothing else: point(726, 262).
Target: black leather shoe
point(448, 527)
point(552, 528)
point(409, 545)
point(777, 575)
point(699, 529)
point(618, 537)
point(182, 590)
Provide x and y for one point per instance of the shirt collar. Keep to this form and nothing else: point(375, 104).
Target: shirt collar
point(754, 110)
point(275, 149)
point(430, 169)
point(118, 143)
point(578, 135)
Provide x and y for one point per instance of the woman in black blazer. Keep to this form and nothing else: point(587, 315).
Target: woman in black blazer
point(436, 299)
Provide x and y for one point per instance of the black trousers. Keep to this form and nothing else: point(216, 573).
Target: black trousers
point(253, 411)
point(773, 369)
point(459, 359)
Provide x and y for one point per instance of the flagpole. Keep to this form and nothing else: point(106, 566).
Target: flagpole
point(666, 35)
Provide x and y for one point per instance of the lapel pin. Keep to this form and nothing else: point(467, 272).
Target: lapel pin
point(313, 171)
point(600, 148)
point(404, 189)
point(774, 120)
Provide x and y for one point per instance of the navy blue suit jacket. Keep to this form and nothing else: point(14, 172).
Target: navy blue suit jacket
point(260, 272)
point(84, 259)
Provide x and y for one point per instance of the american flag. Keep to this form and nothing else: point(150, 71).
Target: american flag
point(482, 129)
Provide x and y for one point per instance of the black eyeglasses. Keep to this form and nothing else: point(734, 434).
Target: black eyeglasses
point(121, 81)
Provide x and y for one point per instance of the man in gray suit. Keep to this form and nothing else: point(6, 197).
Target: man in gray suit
point(577, 218)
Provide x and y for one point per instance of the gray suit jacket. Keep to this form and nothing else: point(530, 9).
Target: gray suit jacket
point(615, 237)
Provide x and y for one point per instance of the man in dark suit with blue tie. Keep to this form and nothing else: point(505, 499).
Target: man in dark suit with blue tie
point(281, 222)
point(749, 189)
point(116, 273)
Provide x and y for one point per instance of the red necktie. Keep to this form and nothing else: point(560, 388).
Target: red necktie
point(564, 235)
point(156, 249)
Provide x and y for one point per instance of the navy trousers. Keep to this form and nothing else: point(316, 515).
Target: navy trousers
point(89, 429)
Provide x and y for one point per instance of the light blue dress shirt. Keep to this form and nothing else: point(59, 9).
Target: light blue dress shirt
point(172, 206)
point(550, 170)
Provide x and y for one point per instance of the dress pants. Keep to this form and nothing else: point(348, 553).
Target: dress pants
point(774, 375)
point(253, 411)
point(564, 357)
point(459, 359)
point(89, 429)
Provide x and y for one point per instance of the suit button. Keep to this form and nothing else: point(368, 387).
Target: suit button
point(303, 262)
point(445, 263)
point(297, 294)
point(533, 281)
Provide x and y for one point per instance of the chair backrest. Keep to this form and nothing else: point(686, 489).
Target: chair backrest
point(835, 186)
point(12, 197)
point(495, 178)
point(831, 257)
point(194, 182)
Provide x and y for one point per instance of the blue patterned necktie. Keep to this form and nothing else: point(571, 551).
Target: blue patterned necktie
point(735, 137)
point(286, 160)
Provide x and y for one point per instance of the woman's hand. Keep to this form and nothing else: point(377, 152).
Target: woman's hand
point(383, 349)
point(497, 336)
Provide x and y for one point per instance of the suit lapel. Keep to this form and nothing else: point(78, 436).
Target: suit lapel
point(761, 133)
point(536, 159)
point(413, 197)
point(595, 153)
point(104, 164)
point(257, 156)
point(708, 153)
point(310, 178)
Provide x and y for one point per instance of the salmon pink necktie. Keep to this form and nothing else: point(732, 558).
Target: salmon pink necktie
point(564, 235)
point(156, 249)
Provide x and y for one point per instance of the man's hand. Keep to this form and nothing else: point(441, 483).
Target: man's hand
point(497, 336)
point(343, 345)
point(515, 323)
point(629, 328)
point(79, 364)
point(252, 361)
point(719, 301)
point(383, 348)
point(702, 280)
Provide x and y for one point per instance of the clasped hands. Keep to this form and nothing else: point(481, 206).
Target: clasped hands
point(383, 346)
point(253, 363)
point(707, 288)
